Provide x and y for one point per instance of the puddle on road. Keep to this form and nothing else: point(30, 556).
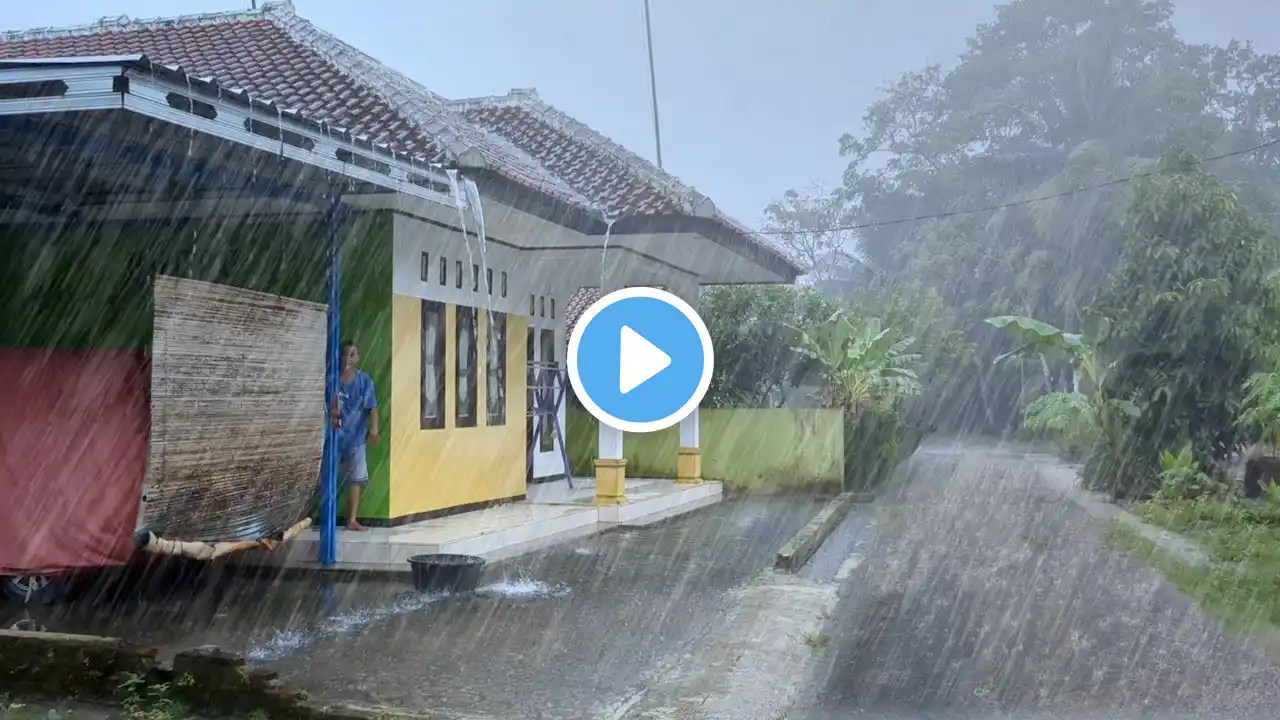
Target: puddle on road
point(285, 642)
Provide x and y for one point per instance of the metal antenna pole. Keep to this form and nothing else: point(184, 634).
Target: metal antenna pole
point(653, 86)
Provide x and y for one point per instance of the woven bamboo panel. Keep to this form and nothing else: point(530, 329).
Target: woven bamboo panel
point(237, 411)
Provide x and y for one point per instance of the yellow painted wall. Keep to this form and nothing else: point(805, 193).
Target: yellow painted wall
point(438, 469)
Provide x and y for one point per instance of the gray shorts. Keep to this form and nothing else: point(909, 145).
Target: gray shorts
point(353, 467)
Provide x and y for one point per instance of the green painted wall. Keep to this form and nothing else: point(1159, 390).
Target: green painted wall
point(366, 321)
point(750, 449)
point(88, 286)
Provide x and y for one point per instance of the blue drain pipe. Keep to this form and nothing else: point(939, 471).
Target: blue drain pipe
point(328, 550)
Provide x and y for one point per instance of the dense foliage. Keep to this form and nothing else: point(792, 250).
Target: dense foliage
point(751, 329)
point(1054, 179)
point(1194, 309)
point(1051, 96)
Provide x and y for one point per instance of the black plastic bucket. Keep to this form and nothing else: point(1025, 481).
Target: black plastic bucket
point(446, 573)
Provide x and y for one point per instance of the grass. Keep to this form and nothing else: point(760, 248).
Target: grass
point(141, 700)
point(1241, 585)
point(817, 640)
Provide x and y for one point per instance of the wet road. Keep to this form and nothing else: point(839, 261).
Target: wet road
point(560, 634)
point(971, 590)
point(975, 591)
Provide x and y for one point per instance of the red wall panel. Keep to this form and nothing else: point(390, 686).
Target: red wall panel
point(73, 456)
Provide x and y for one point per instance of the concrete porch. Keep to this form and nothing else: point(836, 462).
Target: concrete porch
point(551, 514)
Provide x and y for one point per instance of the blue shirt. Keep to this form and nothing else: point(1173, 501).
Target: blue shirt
point(355, 401)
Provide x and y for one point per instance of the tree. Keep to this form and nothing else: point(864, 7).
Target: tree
point(1196, 309)
point(808, 224)
point(1051, 96)
point(750, 328)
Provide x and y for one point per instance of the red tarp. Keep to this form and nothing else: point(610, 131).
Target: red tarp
point(73, 455)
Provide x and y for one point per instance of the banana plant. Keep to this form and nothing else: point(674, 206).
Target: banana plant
point(1083, 351)
point(861, 362)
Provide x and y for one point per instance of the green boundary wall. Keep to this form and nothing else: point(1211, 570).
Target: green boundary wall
point(748, 449)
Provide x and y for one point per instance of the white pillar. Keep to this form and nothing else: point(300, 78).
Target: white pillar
point(610, 463)
point(610, 440)
point(689, 454)
point(689, 427)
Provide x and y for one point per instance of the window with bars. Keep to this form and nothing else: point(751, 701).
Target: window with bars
point(496, 369)
point(465, 412)
point(547, 354)
point(433, 359)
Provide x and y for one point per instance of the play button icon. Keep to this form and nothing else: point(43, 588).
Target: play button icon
point(640, 359)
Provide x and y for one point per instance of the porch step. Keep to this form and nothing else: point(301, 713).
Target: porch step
point(546, 519)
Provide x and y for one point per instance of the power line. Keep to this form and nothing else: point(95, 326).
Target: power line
point(1013, 203)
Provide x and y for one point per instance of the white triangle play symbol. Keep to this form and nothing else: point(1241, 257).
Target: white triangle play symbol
point(640, 360)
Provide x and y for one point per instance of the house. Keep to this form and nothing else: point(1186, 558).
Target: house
point(457, 231)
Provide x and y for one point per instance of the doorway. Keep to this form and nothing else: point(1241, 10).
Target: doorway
point(545, 356)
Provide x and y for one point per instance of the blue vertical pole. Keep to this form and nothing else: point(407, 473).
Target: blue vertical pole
point(328, 550)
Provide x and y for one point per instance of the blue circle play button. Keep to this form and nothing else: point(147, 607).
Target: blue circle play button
point(640, 359)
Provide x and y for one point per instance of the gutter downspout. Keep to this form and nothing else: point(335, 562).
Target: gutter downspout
point(327, 550)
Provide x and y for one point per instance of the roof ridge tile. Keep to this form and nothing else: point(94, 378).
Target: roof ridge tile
point(124, 23)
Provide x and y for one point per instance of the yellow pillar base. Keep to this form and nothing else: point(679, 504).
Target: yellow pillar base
point(689, 465)
point(611, 481)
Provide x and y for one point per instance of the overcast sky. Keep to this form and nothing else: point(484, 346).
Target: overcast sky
point(753, 94)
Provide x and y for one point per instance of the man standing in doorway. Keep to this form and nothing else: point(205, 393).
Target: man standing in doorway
point(355, 414)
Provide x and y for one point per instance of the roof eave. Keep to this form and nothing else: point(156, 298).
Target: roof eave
point(133, 83)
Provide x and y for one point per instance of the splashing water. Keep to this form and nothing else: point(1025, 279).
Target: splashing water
point(604, 249)
point(284, 642)
point(280, 644)
point(472, 195)
point(460, 202)
point(523, 589)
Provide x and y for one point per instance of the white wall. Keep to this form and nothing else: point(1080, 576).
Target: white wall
point(568, 260)
point(412, 237)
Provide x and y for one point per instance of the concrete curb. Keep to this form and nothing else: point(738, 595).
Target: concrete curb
point(805, 543)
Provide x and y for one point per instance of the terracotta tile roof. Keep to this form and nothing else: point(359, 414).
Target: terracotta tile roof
point(280, 57)
point(599, 175)
point(578, 303)
point(248, 52)
point(622, 182)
